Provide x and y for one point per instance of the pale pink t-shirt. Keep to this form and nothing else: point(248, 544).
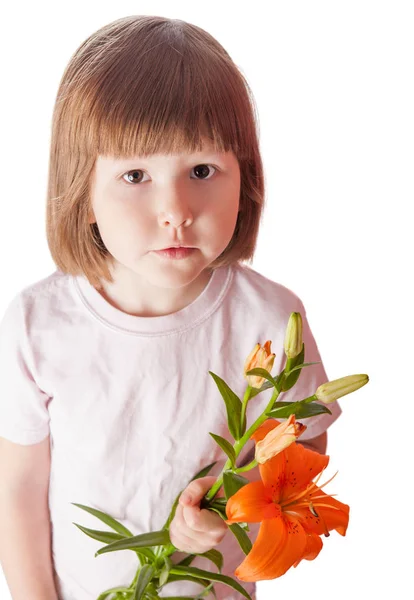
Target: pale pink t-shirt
point(129, 403)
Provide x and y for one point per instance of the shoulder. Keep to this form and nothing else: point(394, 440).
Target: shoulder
point(46, 286)
point(260, 291)
point(36, 299)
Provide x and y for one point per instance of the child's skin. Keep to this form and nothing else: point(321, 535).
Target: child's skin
point(193, 530)
point(167, 202)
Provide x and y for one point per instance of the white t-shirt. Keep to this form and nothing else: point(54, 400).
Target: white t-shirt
point(129, 403)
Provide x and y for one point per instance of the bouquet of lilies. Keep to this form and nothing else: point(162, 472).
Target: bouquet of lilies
point(289, 504)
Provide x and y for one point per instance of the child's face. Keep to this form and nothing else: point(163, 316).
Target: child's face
point(142, 205)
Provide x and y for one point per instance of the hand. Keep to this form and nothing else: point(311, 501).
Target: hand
point(192, 529)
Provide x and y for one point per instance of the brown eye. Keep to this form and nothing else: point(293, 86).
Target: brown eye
point(202, 170)
point(134, 176)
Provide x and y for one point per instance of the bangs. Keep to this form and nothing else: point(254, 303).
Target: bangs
point(165, 93)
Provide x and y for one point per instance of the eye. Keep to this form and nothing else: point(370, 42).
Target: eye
point(135, 174)
point(201, 169)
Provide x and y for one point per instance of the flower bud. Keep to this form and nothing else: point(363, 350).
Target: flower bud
point(293, 337)
point(262, 357)
point(332, 390)
point(278, 439)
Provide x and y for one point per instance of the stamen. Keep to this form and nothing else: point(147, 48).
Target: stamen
point(327, 505)
point(326, 533)
point(326, 482)
point(310, 489)
point(330, 495)
point(313, 511)
point(300, 504)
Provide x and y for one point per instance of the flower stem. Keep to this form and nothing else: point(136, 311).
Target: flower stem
point(239, 444)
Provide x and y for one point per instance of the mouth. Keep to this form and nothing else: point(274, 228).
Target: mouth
point(175, 252)
point(175, 248)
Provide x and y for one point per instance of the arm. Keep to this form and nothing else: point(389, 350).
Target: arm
point(25, 533)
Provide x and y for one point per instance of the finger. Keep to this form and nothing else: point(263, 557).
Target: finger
point(206, 537)
point(183, 537)
point(204, 521)
point(196, 490)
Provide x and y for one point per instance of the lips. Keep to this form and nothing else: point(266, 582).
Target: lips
point(177, 253)
point(175, 247)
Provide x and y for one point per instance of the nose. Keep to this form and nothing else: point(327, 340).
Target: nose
point(174, 206)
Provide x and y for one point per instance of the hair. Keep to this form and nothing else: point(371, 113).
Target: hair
point(138, 86)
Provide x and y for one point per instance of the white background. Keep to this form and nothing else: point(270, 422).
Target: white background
point(333, 83)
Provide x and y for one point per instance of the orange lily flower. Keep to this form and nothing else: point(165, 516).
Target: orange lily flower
point(293, 511)
point(260, 356)
point(277, 440)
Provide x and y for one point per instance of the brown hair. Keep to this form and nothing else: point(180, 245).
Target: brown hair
point(137, 86)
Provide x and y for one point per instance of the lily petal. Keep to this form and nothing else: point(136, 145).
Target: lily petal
point(262, 431)
point(280, 543)
point(251, 503)
point(332, 514)
point(313, 547)
point(278, 439)
point(291, 471)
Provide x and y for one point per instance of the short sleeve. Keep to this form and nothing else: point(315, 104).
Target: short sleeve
point(309, 380)
point(24, 416)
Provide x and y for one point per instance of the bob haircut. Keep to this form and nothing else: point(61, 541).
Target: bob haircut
point(138, 86)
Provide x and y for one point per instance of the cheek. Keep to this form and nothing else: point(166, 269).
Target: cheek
point(228, 212)
point(121, 226)
point(218, 229)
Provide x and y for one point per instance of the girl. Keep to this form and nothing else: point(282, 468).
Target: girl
point(104, 364)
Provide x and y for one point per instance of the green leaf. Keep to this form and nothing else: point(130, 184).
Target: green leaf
point(272, 382)
point(204, 471)
point(204, 592)
point(187, 560)
point(226, 446)
point(102, 536)
point(181, 597)
point(145, 552)
point(174, 577)
point(219, 510)
point(113, 523)
point(145, 576)
point(301, 366)
point(217, 504)
point(153, 538)
point(200, 573)
point(198, 597)
point(233, 406)
point(262, 373)
point(232, 482)
point(299, 409)
point(163, 577)
point(114, 590)
point(242, 537)
point(289, 380)
point(215, 556)
point(254, 391)
point(219, 500)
